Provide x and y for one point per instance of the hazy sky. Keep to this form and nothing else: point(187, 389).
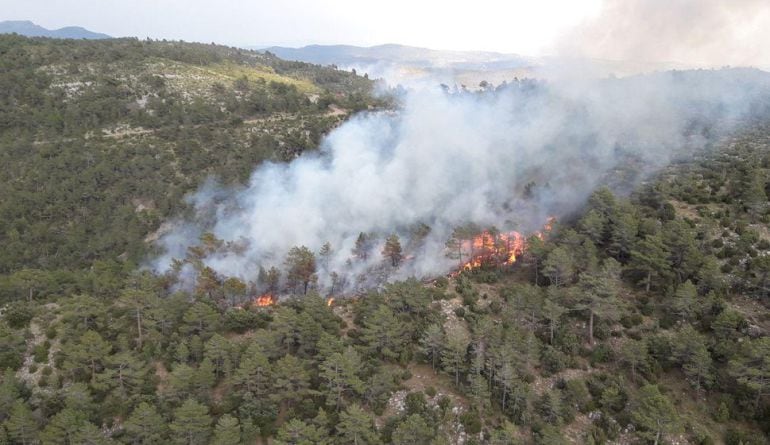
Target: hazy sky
point(521, 26)
point(695, 32)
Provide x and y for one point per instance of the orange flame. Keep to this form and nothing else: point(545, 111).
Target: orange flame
point(264, 300)
point(330, 301)
point(501, 249)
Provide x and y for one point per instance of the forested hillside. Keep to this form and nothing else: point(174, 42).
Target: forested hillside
point(642, 318)
point(100, 140)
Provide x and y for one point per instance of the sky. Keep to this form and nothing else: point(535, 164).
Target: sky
point(516, 26)
point(694, 32)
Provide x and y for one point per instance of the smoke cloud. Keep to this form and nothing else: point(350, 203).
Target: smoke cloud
point(696, 33)
point(508, 158)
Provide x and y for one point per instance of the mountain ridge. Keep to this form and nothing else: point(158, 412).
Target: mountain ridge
point(30, 29)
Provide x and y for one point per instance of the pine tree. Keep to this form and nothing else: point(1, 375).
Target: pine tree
point(272, 280)
point(90, 434)
point(535, 253)
point(634, 354)
point(325, 255)
point(363, 246)
point(61, 429)
point(297, 432)
point(654, 414)
point(356, 427)
point(593, 225)
point(624, 226)
point(506, 377)
point(683, 302)
point(553, 311)
point(698, 368)
point(227, 431)
point(254, 372)
point(751, 368)
point(559, 266)
point(340, 374)
point(138, 300)
point(146, 426)
point(123, 373)
point(219, 350)
point(9, 392)
point(690, 351)
point(550, 407)
point(90, 352)
point(392, 250)
point(203, 378)
point(383, 333)
point(201, 318)
point(21, 425)
point(453, 356)
point(413, 431)
point(650, 256)
point(301, 267)
point(432, 342)
point(291, 380)
point(192, 423)
point(599, 294)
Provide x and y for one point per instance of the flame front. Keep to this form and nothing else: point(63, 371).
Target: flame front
point(330, 301)
point(264, 300)
point(501, 249)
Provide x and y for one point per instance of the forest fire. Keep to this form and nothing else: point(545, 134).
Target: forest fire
point(498, 249)
point(491, 248)
point(330, 301)
point(264, 300)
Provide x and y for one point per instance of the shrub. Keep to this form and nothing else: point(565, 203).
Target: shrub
point(601, 354)
point(629, 321)
point(734, 436)
point(40, 353)
point(18, 315)
point(553, 360)
point(577, 395)
point(471, 422)
point(415, 403)
point(238, 320)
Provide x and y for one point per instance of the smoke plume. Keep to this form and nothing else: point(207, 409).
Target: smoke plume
point(508, 158)
point(696, 33)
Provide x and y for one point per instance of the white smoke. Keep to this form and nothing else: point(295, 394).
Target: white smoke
point(695, 33)
point(446, 159)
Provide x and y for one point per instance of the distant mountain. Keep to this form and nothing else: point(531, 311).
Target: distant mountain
point(408, 64)
point(29, 29)
point(401, 54)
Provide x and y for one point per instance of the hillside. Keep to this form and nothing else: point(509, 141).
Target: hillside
point(640, 316)
point(29, 29)
point(100, 140)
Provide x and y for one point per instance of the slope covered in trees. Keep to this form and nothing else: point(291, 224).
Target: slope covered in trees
point(100, 141)
point(641, 319)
